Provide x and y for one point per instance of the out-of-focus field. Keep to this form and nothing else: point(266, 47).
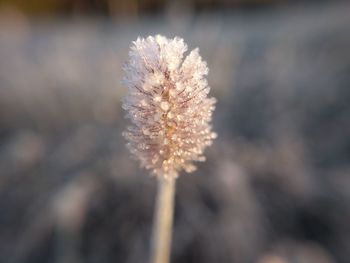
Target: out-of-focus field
point(275, 187)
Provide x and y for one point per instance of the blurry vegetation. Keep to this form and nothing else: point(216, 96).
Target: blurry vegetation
point(126, 7)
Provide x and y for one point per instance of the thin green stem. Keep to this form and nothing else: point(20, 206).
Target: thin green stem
point(163, 221)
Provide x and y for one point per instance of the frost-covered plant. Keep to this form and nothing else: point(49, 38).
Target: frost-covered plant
point(170, 115)
point(168, 105)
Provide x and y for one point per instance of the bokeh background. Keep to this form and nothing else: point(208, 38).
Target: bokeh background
point(276, 185)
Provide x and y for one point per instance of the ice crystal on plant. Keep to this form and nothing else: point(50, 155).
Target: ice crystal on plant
point(167, 104)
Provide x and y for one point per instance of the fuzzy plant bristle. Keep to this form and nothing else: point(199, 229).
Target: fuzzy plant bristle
point(167, 104)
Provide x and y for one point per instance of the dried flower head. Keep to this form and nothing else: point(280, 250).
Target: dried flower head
point(168, 105)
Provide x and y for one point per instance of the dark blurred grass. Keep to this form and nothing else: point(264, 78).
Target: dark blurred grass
point(130, 7)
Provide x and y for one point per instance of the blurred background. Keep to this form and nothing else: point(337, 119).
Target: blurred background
point(276, 185)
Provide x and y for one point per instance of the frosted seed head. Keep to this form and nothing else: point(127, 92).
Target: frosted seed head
point(167, 105)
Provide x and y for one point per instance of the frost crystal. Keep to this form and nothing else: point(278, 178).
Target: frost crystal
point(168, 105)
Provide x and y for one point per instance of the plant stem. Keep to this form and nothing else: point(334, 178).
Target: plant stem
point(163, 221)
